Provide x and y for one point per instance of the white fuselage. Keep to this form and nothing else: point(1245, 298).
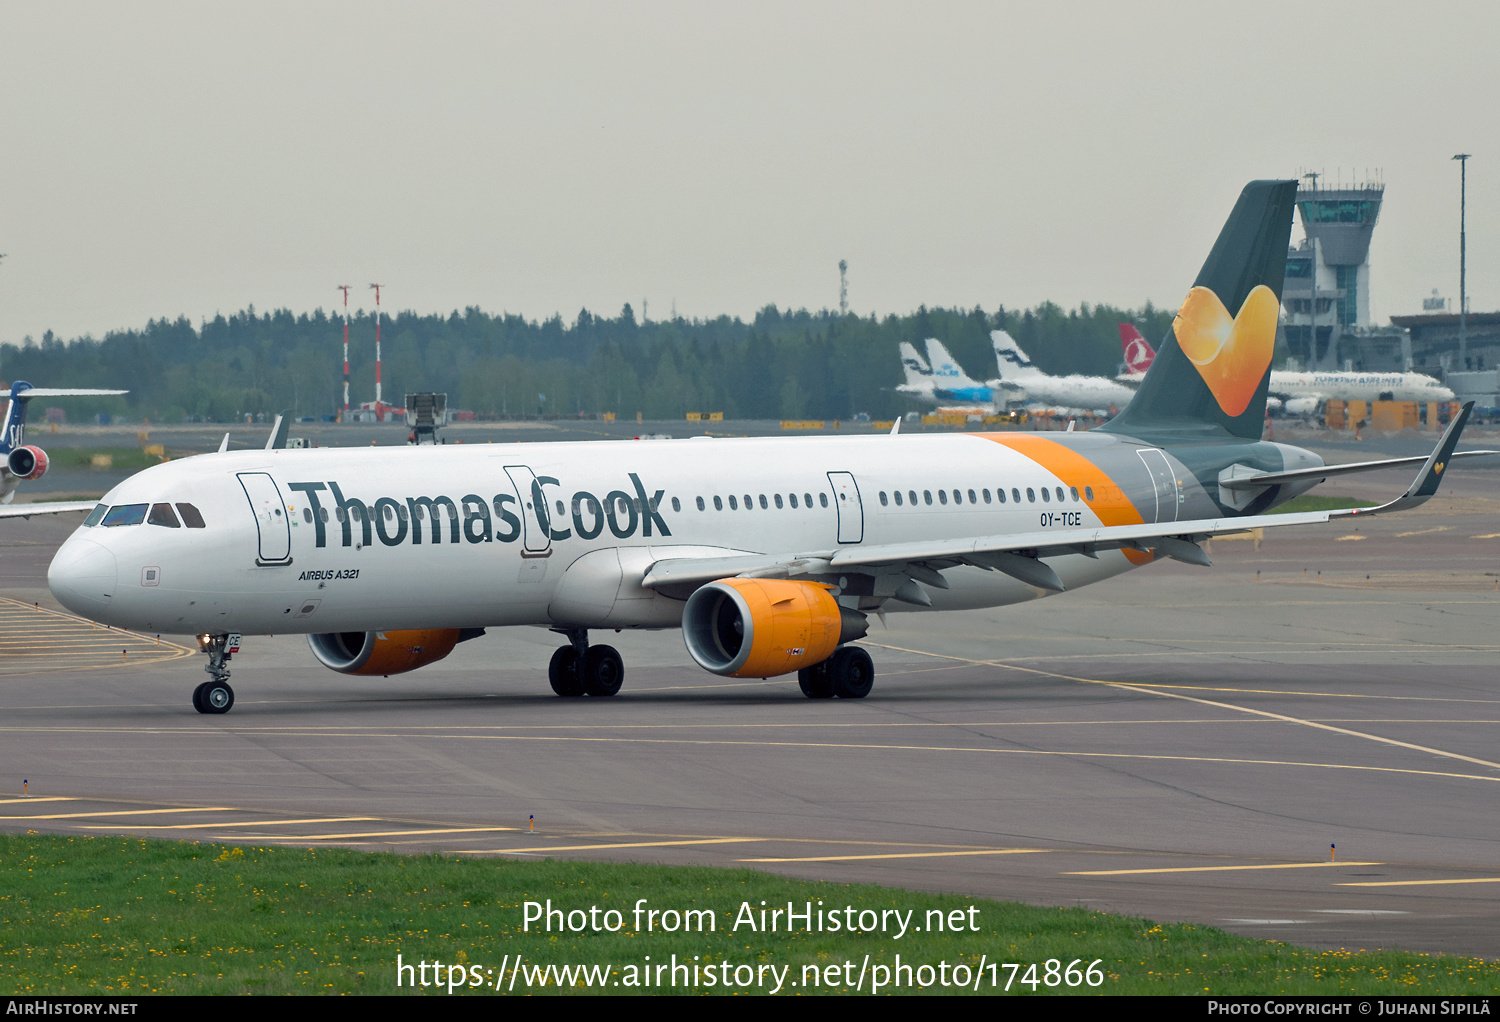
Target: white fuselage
point(277, 553)
point(1357, 386)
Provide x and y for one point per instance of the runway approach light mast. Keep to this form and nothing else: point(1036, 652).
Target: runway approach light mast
point(379, 407)
point(345, 288)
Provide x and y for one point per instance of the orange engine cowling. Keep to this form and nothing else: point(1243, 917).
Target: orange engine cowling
point(383, 653)
point(27, 463)
point(762, 627)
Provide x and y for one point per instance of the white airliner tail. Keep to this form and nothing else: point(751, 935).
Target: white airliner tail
point(918, 372)
point(1011, 361)
point(945, 368)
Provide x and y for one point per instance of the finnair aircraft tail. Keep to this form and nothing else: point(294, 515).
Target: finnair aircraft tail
point(918, 372)
point(1011, 361)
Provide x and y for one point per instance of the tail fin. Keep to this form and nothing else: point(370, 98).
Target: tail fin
point(1214, 365)
point(945, 368)
point(1138, 351)
point(1010, 360)
point(914, 365)
point(14, 434)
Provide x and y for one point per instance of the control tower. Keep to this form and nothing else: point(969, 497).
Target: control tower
point(1333, 263)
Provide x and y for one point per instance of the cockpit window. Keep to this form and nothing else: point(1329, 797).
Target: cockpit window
point(161, 514)
point(190, 516)
point(95, 515)
point(125, 514)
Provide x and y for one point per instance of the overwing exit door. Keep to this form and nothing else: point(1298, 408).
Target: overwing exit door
point(851, 511)
point(536, 521)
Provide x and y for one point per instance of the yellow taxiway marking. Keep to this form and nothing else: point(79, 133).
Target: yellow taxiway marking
point(909, 855)
point(1423, 532)
point(1124, 686)
point(383, 833)
point(623, 844)
point(241, 823)
point(1423, 883)
point(1214, 869)
point(38, 798)
point(1352, 537)
point(122, 812)
point(1487, 535)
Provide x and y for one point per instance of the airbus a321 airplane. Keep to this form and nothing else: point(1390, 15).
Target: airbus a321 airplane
point(768, 553)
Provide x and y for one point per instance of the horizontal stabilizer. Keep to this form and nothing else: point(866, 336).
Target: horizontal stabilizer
point(31, 392)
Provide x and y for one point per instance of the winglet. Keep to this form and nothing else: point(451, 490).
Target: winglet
point(1431, 472)
point(224, 444)
point(896, 426)
point(277, 440)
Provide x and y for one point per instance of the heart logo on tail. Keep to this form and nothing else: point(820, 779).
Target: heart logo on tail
point(1231, 354)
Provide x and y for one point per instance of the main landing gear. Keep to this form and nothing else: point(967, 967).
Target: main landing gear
point(216, 696)
point(580, 669)
point(848, 674)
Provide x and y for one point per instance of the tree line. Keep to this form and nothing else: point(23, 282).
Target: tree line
point(780, 364)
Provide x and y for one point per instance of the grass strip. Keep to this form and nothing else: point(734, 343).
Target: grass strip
point(127, 916)
point(1311, 502)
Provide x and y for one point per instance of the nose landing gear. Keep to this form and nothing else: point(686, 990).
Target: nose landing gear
point(216, 696)
point(581, 669)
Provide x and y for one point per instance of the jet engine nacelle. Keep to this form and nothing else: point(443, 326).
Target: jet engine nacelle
point(382, 653)
point(27, 463)
point(761, 627)
point(1302, 406)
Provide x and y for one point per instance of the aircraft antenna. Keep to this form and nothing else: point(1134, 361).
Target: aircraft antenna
point(345, 288)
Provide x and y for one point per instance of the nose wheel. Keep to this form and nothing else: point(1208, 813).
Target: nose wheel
point(216, 696)
point(213, 697)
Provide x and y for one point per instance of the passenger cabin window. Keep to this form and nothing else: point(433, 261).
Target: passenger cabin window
point(763, 504)
point(700, 504)
point(778, 501)
point(942, 496)
point(823, 499)
point(1000, 494)
point(307, 515)
point(1015, 494)
point(676, 504)
point(927, 496)
point(898, 498)
point(1073, 490)
point(1045, 494)
point(793, 498)
point(719, 504)
point(911, 495)
point(733, 505)
point(1059, 494)
point(986, 495)
point(750, 503)
point(125, 514)
point(96, 515)
point(883, 501)
point(1088, 493)
point(1030, 495)
point(161, 514)
point(807, 499)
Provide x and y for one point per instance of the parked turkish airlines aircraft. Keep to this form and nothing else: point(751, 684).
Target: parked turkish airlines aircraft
point(955, 391)
point(1138, 354)
point(768, 553)
point(19, 461)
point(1302, 393)
point(1073, 391)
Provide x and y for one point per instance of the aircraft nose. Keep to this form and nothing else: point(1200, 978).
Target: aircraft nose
point(83, 576)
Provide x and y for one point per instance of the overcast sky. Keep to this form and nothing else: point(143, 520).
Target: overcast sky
point(187, 159)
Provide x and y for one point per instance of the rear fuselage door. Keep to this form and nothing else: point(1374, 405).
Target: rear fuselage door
point(1164, 481)
point(536, 521)
point(851, 511)
point(270, 518)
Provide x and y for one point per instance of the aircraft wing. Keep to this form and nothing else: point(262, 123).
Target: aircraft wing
point(1017, 554)
point(53, 507)
point(62, 392)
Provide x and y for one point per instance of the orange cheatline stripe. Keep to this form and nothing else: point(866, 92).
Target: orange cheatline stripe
point(1110, 502)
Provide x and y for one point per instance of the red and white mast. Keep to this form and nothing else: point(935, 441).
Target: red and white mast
point(379, 408)
point(345, 288)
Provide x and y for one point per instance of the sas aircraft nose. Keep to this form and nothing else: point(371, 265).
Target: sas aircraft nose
point(82, 576)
